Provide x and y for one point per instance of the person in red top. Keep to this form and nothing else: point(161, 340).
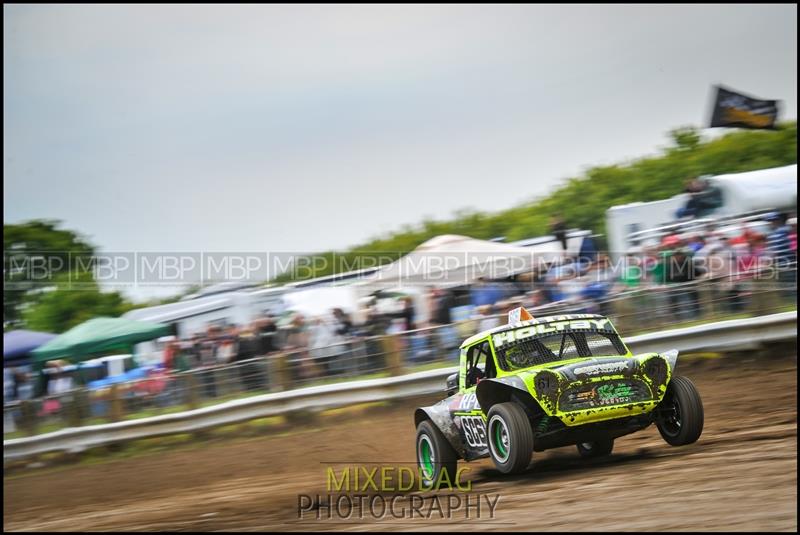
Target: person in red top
point(169, 354)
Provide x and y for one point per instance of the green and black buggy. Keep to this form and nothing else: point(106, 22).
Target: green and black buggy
point(543, 383)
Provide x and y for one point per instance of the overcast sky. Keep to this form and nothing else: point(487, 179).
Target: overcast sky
point(291, 128)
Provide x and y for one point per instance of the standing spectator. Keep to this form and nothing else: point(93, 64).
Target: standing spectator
point(632, 269)
point(750, 256)
point(703, 199)
point(343, 324)
point(207, 353)
point(266, 331)
point(374, 326)
point(207, 348)
point(408, 314)
point(321, 340)
point(695, 242)
point(19, 378)
point(661, 271)
point(170, 353)
point(343, 356)
point(443, 302)
point(778, 243)
point(226, 352)
point(485, 293)
point(570, 287)
point(251, 373)
point(486, 319)
point(711, 242)
point(558, 228)
point(297, 342)
point(588, 253)
point(597, 282)
point(692, 187)
point(248, 344)
point(779, 246)
point(720, 267)
point(680, 269)
point(175, 361)
point(376, 323)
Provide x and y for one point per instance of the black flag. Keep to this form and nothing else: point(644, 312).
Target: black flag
point(735, 109)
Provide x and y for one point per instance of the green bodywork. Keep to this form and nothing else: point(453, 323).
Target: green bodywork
point(610, 392)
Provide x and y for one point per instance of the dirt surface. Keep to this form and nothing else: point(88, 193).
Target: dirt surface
point(740, 475)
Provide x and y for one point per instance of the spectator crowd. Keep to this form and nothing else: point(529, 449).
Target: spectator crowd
point(334, 344)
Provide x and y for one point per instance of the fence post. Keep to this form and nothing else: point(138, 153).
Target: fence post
point(394, 357)
point(267, 373)
point(28, 420)
point(77, 408)
point(708, 294)
point(763, 299)
point(282, 378)
point(117, 410)
point(620, 308)
point(221, 386)
point(190, 385)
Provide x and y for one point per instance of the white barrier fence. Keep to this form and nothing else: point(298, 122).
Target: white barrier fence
point(728, 335)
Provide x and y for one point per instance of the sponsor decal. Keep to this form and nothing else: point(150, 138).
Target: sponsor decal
point(611, 394)
point(597, 369)
point(522, 333)
point(607, 394)
point(468, 403)
point(474, 431)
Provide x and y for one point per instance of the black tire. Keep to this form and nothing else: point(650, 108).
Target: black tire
point(598, 448)
point(680, 414)
point(443, 457)
point(510, 437)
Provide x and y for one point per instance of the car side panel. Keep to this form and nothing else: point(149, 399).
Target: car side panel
point(466, 414)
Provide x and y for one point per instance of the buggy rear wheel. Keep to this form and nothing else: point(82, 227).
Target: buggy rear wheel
point(510, 437)
point(436, 459)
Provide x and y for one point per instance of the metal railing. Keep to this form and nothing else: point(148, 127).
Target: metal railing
point(731, 334)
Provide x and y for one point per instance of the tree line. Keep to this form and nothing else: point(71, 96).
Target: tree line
point(582, 201)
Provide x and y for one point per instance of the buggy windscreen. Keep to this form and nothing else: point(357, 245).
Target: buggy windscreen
point(566, 345)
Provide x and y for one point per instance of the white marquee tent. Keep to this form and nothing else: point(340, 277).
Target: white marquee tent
point(452, 260)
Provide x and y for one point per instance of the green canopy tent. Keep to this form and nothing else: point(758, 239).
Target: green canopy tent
point(97, 336)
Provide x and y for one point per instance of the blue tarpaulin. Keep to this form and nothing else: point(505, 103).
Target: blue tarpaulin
point(17, 346)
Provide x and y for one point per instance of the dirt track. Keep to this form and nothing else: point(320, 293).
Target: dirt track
point(741, 475)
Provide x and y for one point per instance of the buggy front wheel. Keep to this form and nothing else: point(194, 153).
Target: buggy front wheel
point(679, 416)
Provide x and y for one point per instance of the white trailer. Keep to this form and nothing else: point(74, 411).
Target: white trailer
point(737, 193)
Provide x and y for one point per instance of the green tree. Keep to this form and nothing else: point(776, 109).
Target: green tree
point(74, 299)
point(48, 279)
point(33, 253)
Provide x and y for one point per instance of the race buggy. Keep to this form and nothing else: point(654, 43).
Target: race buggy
point(537, 384)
